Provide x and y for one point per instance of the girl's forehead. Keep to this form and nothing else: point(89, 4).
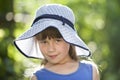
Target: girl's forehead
point(50, 33)
point(50, 38)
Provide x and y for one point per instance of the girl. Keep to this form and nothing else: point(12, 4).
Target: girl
point(53, 38)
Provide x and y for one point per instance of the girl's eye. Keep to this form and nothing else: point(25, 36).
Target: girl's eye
point(43, 42)
point(59, 40)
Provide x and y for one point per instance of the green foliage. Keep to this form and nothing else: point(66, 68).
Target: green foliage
point(97, 23)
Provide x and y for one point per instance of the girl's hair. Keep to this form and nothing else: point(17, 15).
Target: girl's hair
point(52, 32)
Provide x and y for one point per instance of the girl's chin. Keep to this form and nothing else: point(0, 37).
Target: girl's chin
point(54, 63)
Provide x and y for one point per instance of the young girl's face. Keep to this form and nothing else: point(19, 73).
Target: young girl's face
point(55, 50)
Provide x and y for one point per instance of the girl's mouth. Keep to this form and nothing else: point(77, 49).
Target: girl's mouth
point(52, 56)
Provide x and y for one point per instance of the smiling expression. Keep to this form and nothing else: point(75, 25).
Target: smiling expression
point(55, 50)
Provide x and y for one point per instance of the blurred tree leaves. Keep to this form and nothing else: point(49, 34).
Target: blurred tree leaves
point(113, 37)
point(97, 22)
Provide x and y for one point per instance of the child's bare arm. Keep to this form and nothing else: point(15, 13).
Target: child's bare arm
point(33, 77)
point(95, 73)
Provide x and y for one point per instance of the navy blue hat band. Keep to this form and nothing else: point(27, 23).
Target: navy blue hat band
point(57, 17)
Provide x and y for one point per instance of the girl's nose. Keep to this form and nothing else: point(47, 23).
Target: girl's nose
point(51, 47)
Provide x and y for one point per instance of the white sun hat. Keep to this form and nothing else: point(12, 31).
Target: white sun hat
point(55, 15)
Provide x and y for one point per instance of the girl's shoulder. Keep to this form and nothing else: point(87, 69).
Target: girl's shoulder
point(95, 71)
point(33, 77)
point(37, 73)
point(85, 64)
point(89, 63)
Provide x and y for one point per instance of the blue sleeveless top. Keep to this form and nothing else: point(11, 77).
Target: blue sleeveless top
point(84, 72)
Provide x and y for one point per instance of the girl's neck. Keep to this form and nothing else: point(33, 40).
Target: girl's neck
point(67, 61)
point(63, 68)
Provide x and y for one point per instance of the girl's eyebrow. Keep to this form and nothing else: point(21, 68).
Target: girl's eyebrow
point(59, 38)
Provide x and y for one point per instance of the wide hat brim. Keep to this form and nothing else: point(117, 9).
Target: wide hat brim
point(28, 46)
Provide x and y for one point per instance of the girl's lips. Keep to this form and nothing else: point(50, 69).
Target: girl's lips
point(52, 56)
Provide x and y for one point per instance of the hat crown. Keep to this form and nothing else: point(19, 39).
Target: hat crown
point(56, 9)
